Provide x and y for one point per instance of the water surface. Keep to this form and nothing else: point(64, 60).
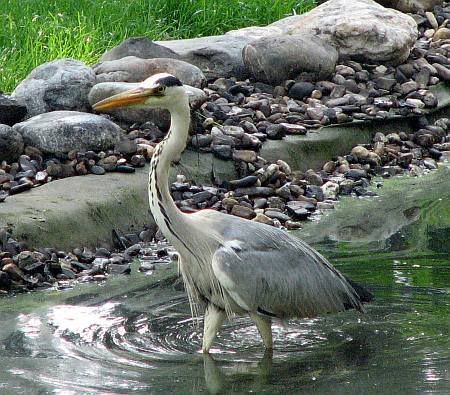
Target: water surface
point(134, 334)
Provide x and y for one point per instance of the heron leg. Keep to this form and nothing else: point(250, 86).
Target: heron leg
point(214, 318)
point(264, 326)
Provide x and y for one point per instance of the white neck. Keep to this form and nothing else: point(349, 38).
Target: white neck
point(171, 221)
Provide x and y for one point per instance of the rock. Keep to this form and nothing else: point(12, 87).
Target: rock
point(243, 212)
point(276, 132)
point(410, 5)
point(274, 59)
point(356, 174)
point(59, 85)
point(430, 164)
point(254, 191)
point(141, 47)
point(60, 170)
point(300, 210)
point(14, 272)
point(329, 167)
point(443, 71)
point(300, 90)
point(442, 34)
point(11, 111)
point(360, 152)
point(59, 132)
point(263, 219)
point(313, 178)
point(293, 225)
point(359, 29)
point(243, 182)
point(385, 83)
point(330, 190)
point(11, 144)
point(134, 69)
point(222, 151)
point(219, 56)
point(125, 169)
point(159, 117)
point(274, 214)
point(201, 197)
point(244, 155)
point(98, 170)
point(408, 87)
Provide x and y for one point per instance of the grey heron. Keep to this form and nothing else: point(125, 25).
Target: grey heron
point(232, 265)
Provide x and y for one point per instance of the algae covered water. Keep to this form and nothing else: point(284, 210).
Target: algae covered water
point(134, 334)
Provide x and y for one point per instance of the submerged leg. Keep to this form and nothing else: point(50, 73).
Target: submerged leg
point(264, 326)
point(214, 318)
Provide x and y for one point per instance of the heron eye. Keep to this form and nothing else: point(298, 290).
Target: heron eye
point(160, 89)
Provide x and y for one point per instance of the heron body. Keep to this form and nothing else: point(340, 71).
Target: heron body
point(231, 265)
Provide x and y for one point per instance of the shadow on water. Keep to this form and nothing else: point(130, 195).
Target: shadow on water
point(135, 335)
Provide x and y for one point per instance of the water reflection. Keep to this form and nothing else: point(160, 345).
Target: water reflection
point(116, 347)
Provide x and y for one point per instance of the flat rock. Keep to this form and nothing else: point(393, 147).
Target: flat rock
point(360, 29)
point(274, 59)
point(11, 111)
point(129, 114)
point(141, 47)
point(59, 85)
point(134, 69)
point(11, 143)
point(59, 132)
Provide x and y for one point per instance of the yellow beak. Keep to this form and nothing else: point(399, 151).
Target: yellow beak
point(132, 96)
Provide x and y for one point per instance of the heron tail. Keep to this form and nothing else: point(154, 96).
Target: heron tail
point(364, 295)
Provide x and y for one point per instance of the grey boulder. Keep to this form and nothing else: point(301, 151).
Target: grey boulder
point(275, 59)
point(134, 69)
point(141, 47)
point(359, 29)
point(11, 144)
point(219, 56)
point(59, 132)
point(160, 117)
point(59, 85)
point(410, 5)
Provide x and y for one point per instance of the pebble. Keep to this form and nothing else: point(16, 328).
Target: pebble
point(264, 219)
point(242, 211)
point(98, 170)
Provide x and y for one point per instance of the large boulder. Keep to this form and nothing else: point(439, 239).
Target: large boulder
point(134, 69)
point(141, 47)
point(410, 5)
point(59, 85)
point(219, 56)
point(274, 59)
point(160, 117)
point(11, 144)
point(359, 29)
point(11, 111)
point(59, 132)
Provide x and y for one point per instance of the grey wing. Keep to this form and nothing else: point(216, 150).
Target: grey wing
point(281, 276)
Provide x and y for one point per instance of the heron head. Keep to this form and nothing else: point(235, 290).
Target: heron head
point(158, 91)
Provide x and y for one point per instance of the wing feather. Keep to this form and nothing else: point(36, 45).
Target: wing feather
point(266, 269)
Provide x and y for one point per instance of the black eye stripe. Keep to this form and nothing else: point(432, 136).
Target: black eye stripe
point(170, 80)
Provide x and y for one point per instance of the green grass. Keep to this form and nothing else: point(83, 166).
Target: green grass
point(37, 31)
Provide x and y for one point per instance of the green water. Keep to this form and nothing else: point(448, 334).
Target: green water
point(134, 334)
